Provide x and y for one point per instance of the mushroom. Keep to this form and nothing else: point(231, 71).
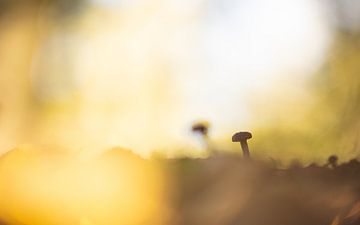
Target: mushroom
point(201, 127)
point(242, 137)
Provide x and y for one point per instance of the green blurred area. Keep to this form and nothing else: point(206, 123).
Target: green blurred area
point(329, 123)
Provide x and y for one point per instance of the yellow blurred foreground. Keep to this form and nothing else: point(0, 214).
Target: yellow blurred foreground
point(41, 187)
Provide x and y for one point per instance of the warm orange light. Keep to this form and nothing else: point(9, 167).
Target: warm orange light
point(45, 188)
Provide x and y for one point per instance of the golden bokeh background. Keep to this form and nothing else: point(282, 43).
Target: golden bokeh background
point(95, 74)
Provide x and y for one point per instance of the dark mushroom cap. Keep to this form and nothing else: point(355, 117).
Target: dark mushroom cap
point(241, 136)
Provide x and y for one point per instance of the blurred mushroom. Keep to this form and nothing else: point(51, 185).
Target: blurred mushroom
point(202, 128)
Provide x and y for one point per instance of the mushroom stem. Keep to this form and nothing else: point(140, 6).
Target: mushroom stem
point(242, 137)
point(245, 149)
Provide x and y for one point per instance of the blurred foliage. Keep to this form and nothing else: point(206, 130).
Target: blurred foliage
point(25, 26)
point(61, 7)
point(329, 119)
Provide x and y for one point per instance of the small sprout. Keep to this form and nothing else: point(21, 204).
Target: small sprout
point(242, 137)
point(332, 161)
